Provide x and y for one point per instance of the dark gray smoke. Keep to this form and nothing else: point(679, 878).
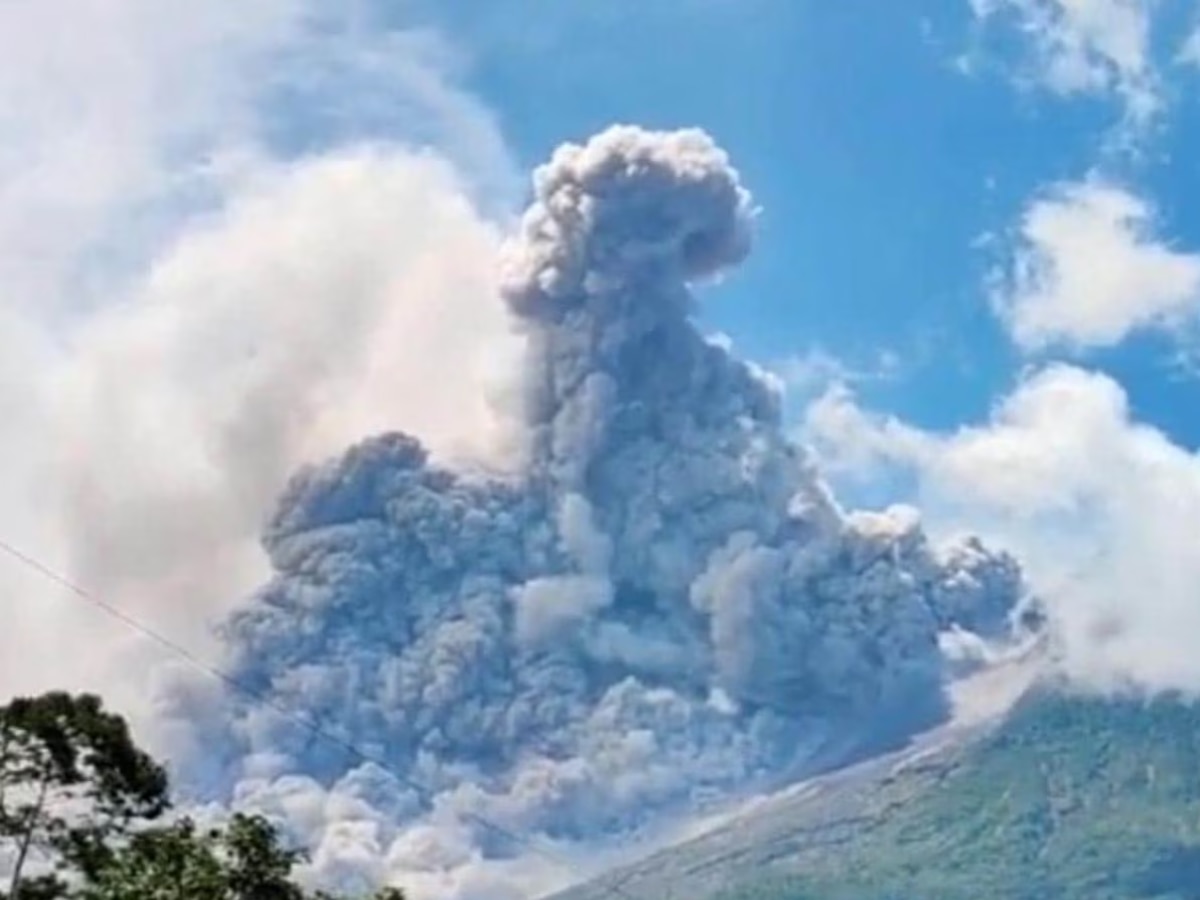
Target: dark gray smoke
point(662, 606)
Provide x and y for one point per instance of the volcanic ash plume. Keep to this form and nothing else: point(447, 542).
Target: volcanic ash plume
point(663, 605)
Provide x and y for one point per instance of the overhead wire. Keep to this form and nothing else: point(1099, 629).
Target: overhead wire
point(308, 723)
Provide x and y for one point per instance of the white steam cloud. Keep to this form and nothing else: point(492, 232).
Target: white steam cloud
point(1094, 503)
point(191, 307)
point(1088, 271)
point(661, 605)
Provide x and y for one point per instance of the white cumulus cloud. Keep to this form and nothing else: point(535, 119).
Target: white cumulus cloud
point(1088, 269)
point(1098, 506)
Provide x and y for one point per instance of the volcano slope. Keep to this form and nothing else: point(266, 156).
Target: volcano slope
point(1069, 797)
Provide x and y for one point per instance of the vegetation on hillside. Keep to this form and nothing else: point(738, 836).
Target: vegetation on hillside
point(1074, 799)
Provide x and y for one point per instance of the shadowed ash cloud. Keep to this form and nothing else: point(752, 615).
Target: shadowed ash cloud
point(662, 605)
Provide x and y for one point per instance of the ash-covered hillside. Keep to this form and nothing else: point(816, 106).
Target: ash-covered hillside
point(661, 605)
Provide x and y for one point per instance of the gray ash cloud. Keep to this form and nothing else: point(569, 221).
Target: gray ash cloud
point(663, 604)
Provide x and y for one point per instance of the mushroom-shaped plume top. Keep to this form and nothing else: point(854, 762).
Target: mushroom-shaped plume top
point(629, 208)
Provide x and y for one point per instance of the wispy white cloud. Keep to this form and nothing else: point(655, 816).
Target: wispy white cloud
point(1085, 47)
point(1188, 48)
point(1087, 270)
point(1096, 505)
point(813, 371)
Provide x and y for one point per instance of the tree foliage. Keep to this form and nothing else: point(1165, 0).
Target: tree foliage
point(243, 861)
point(72, 781)
point(80, 803)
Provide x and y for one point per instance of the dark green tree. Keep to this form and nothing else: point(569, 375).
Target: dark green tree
point(168, 863)
point(72, 782)
point(243, 861)
point(256, 865)
point(77, 791)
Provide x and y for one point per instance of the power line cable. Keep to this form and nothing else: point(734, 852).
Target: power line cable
point(308, 723)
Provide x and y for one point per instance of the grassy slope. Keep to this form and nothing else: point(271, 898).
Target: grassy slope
point(1074, 799)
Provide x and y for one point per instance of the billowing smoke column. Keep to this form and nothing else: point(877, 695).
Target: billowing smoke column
point(662, 606)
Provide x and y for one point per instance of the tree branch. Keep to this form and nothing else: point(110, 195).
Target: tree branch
point(35, 814)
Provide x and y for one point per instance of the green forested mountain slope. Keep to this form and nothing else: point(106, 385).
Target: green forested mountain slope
point(1073, 798)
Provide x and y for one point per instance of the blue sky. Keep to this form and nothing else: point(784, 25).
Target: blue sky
point(879, 162)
